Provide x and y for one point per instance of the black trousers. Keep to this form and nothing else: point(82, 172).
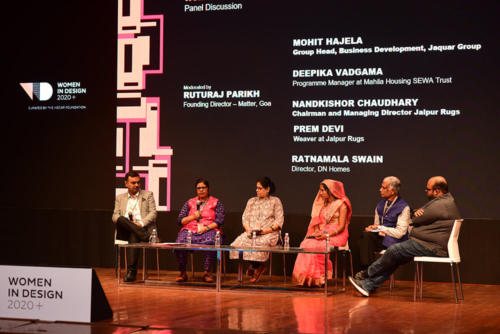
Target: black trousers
point(369, 244)
point(126, 230)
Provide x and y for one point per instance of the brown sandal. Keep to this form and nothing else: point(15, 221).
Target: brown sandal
point(257, 273)
point(182, 278)
point(208, 278)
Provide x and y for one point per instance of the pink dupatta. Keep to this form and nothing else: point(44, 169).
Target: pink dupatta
point(336, 189)
point(207, 213)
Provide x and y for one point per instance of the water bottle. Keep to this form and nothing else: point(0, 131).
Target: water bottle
point(153, 238)
point(254, 239)
point(327, 241)
point(189, 237)
point(287, 241)
point(217, 239)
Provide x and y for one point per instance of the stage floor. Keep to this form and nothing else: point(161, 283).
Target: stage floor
point(199, 309)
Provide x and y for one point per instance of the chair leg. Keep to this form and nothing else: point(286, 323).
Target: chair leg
point(270, 266)
point(117, 258)
point(335, 266)
point(344, 264)
point(460, 282)
point(158, 263)
point(421, 278)
point(452, 270)
point(144, 265)
point(192, 265)
point(118, 262)
point(284, 266)
point(126, 262)
point(350, 259)
point(415, 282)
point(391, 283)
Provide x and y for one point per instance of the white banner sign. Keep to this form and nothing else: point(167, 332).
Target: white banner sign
point(45, 293)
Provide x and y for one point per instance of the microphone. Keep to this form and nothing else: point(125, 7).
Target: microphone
point(130, 216)
point(198, 203)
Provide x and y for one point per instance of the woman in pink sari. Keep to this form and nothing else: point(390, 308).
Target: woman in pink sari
point(331, 213)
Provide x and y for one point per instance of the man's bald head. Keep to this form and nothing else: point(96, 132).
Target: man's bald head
point(436, 186)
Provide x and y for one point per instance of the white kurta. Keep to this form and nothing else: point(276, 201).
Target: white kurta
point(260, 213)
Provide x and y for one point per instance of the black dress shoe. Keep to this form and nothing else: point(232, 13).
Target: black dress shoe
point(130, 276)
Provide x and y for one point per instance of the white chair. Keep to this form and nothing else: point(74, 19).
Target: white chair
point(344, 250)
point(119, 242)
point(453, 259)
point(279, 244)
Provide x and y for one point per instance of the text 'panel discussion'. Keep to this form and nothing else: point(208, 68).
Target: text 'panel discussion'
point(250, 166)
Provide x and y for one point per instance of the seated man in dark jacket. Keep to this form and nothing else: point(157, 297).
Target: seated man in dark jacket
point(391, 221)
point(430, 230)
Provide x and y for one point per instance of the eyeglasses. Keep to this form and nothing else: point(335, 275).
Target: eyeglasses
point(201, 188)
